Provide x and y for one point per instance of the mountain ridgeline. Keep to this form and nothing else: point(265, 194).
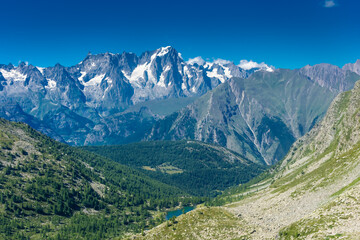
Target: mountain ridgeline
point(313, 193)
point(195, 167)
point(122, 98)
point(259, 117)
point(49, 190)
point(79, 99)
point(208, 129)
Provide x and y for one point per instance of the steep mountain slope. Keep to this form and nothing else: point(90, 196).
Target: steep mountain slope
point(195, 167)
point(106, 84)
point(312, 194)
point(49, 190)
point(261, 116)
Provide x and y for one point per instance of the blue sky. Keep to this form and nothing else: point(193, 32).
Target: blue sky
point(283, 33)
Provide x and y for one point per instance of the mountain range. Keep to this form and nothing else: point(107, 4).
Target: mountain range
point(312, 193)
point(102, 86)
point(253, 109)
point(260, 116)
point(232, 121)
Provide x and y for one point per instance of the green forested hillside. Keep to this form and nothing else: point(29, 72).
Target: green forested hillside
point(49, 190)
point(196, 167)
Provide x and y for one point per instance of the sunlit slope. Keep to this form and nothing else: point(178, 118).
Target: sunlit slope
point(317, 167)
point(313, 193)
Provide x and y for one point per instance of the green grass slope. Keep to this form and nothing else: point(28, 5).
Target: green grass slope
point(195, 167)
point(202, 223)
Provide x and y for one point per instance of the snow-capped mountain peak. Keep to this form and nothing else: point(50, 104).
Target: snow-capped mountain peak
point(162, 51)
point(111, 80)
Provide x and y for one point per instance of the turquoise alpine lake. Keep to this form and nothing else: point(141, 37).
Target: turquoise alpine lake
point(178, 212)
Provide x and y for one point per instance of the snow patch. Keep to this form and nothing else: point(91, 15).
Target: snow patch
point(193, 89)
point(163, 51)
point(227, 72)
point(183, 86)
point(125, 74)
point(13, 74)
point(162, 77)
point(94, 81)
point(51, 84)
point(208, 65)
point(41, 69)
point(214, 74)
point(110, 85)
point(138, 72)
point(81, 78)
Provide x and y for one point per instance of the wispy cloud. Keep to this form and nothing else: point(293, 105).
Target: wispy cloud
point(221, 61)
point(247, 65)
point(329, 3)
point(198, 60)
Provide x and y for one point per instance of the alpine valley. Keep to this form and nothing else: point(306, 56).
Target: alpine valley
point(257, 110)
point(109, 147)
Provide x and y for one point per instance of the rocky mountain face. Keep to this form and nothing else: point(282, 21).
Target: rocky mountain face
point(329, 76)
point(314, 192)
point(353, 67)
point(80, 99)
point(119, 98)
point(261, 116)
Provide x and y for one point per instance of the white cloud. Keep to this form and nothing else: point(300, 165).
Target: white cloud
point(221, 61)
point(247, 65)
point(199, 60)
point(329, 3)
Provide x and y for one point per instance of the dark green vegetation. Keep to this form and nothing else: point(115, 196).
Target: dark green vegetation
point(238, 192)
point(195, 167)
point(49, 190)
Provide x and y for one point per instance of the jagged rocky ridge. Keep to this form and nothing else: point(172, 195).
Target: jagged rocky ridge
point(261, 116)
point(84, 99)
point(354, 67)
point(120, 98)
